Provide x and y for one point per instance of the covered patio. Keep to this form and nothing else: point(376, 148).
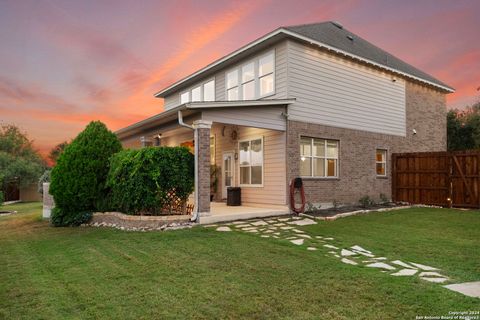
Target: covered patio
point(236, 144)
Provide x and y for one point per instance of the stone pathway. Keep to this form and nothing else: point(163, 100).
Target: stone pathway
point(285, 229)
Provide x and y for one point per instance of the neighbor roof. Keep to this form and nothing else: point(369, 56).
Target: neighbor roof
point(329, 35)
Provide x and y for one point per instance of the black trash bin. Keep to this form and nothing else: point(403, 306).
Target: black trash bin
point(234, 196)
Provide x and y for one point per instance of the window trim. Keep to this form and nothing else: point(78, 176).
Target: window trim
point(261, 138)
point(377, 162)
point(325, 158)
point(256, 77)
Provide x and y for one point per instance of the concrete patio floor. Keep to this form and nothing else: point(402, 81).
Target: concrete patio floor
point(220, 212)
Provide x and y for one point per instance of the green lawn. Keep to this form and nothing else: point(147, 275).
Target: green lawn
point(58, 273)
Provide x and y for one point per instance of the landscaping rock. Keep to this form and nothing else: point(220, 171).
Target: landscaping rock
point(381, 265)
point(405, 272)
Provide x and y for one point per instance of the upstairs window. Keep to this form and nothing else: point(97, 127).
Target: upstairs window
point(265, 75)
point(253, 80)
point(318, 158)
point(209, 91)
point(202, 92)
point(185, 97)
point(381, 162)
point(232, 85)
point(197, 94)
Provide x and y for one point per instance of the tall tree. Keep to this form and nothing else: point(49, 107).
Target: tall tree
point(18, 159)
point(463, 128)
point(56, 151)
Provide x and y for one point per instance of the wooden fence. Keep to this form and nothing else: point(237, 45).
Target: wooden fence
point(449, 179)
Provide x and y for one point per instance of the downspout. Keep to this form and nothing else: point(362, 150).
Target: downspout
point(195, 138)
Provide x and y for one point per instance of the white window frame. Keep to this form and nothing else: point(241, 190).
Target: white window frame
point(325, 158)
point(257, 71)
point(202, 91)
point(385, 151)
point(256, 79)
point(227, 88)
point(188, 99)
point(249, 140)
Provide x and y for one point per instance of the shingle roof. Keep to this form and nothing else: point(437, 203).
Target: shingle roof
point(334, 35)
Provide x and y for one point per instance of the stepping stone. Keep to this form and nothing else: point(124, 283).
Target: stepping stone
point(290, 238)
point(347, 253)
point(328, 238)
point(249, 228)
point(286, 228)
point(276, 233)
point(381, 265)
point(238, 222)
point(336, 256)
point(365, 254)
point(348, 261)
point(265, 236)
point(260, 223)
point(243, 225)
point(283, 219)
point(405, 272)
point(276, 237)
point(424, 267)
point(329, 246)
point(318, 237)
point(471, 289)
point(311, 249)
point(279, 224)
point(403, 264)
point(380, 258)
point(304, 236)
point(332, 252)
point(252, 231)
point(271, 221)
point(296, 218)
point(435, 280)
point(268, 231)
point(210, 225)
point(358, 248)
point(297, 241)
point(298, 231)
point(304, 222)
point(224, 229)
point(431, 274)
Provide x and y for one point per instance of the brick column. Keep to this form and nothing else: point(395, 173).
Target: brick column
point(202, 166)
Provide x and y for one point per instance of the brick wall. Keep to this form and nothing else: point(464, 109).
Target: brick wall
point(426, 113)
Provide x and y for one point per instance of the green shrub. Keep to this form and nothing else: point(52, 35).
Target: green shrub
point(140, 180)
point(1, 197)
point(78, 179)
point(59, 218)
point(366, 202)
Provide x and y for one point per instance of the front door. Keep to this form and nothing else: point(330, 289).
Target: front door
point(227, 172)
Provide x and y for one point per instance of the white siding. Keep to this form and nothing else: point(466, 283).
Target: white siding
point(260, 117)
point(337, 92)
point(173, 100)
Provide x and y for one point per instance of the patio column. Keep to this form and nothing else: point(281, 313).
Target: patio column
point(202, 166)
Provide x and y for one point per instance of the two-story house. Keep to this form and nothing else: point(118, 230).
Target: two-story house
point(313, 101)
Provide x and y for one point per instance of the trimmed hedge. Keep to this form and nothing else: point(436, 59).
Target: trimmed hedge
point(140, 180)
point(78, 179)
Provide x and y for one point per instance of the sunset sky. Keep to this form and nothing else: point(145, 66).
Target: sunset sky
point(65, 63)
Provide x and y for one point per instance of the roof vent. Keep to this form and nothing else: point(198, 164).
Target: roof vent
point(350, 37)
point(337, 24)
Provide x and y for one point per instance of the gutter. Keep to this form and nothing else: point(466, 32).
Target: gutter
point(195, 215)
